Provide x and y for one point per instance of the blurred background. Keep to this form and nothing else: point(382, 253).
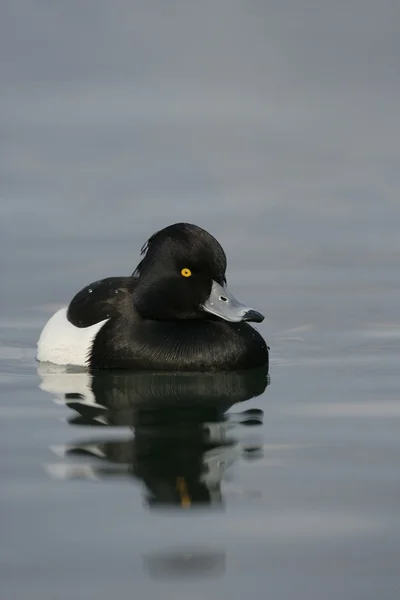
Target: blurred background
point(275, 126)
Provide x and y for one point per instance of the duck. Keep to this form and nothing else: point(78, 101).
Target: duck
point(174, 313)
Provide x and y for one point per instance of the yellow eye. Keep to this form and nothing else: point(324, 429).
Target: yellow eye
point(186, 272)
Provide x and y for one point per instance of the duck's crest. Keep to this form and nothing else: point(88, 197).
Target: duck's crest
point(143, 252)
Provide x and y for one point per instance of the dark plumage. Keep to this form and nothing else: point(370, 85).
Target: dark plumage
point(173, 314)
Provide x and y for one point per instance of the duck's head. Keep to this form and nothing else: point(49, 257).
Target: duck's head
point(182, 276)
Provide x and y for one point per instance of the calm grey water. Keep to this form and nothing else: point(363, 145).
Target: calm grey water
point(276, 127)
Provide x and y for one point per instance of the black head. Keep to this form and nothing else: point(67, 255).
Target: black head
point(176, 274)
point(182, 276)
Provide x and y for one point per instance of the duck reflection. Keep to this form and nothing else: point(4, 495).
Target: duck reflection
point(185, 563)
point(182, 443)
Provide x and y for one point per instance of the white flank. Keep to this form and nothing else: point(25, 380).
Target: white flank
point(62, 343)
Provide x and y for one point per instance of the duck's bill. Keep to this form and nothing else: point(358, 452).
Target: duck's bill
point(224, 305)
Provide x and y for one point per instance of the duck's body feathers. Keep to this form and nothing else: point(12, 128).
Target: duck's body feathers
point(162, 345)
point(174, 314)
point(103, 299)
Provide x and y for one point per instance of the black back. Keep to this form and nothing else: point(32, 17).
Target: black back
point(103, 299)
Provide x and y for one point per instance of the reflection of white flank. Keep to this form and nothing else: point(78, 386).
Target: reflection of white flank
point(216, 431)
point(58, 381)
point(101, 420)
point(217, 461)
point(67, 471)
point(64, 471)
point(62, 449)
point(62, 343)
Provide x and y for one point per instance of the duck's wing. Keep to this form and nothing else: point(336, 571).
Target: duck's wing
point(101, 300)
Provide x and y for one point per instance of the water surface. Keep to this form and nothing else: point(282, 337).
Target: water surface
point(274, 127)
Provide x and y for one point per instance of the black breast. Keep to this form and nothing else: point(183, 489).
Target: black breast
point(197, 345)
